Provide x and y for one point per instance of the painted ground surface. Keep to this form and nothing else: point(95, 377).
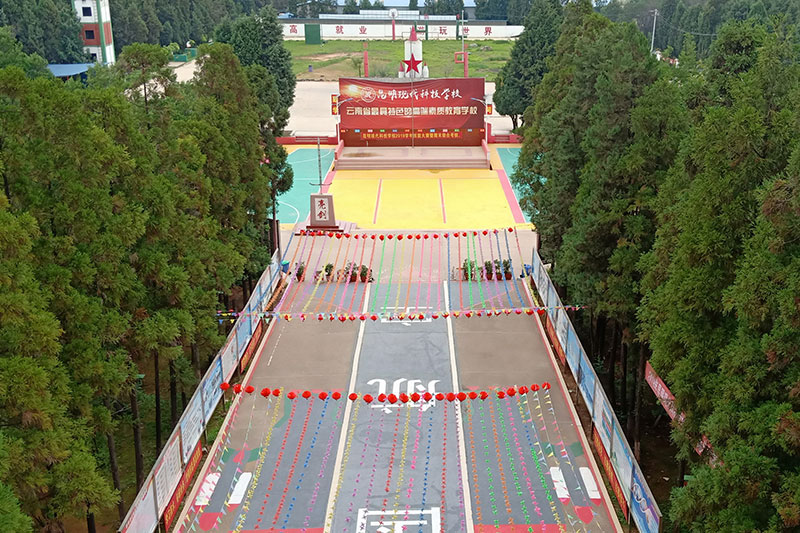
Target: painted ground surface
point(409, 199)
point(515, 463)
point(293, 206)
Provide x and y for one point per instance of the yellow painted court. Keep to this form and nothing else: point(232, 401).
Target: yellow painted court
point(419, 199)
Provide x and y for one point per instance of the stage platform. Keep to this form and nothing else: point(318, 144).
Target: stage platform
point(406, 157)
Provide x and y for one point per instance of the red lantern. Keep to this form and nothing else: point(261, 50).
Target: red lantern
point(446, 235)
point(368, 398)
point(307, 393)
point(351, 318)
point(381, 397)
point(440, 396)
point(501, 394)
point(511, 391)
point(399, 237)
point(518, 311)
point(485, 232)
point(392, 398)
point(224, 386)
point(353, 396)
point(276, 392)
point(380, 237)
point(472, 395)
point(450, 396)
point(435, 316)
point(249, 389)
point(265, 392)
point(389, 236)
point(338, 235)
point(425, 236)
point(534, 387)
point(435, 235)
point(323, 395)
point(545, 386)
point(461, 396)
point(427, 396)
point(237, 388)
point(336, 395)
point(374, 318)
point(363, 317)
point(291, 395)
point(415, 397)
point(510, 230)
point(523, 390)
point(445, 315)
point(541, 312)
point(418, 236)
point(404, 397)
point(484, 395)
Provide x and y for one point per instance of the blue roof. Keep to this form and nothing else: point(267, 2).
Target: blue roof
point(61, 70)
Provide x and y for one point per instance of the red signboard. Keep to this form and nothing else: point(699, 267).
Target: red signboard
point(432, 112)
point(183, 485)
point(255, 339)
point(609, 468)
point(667, 400)
point(551, 332)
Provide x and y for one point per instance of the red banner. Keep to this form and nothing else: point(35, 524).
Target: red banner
point(183, 485)
point(667, 400)
point(609, 468)
point(442, 111)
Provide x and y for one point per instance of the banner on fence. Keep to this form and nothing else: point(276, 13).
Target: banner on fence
point(572, 347)
point(587, 381)
point(228, 359)
point(605, 460)
point(192, 425)
point(171, 510)
point(142, 514)
point(643, 506)
point(211, 391)
point(255, 340)
point(168, 472)
point(622, 460)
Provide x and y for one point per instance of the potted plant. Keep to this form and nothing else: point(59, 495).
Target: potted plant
point(329, 271)
point(507, 268)
point(350, 272)
point(301, 268)
point(498, 269)
point(489, 269)
point(470, 269)
point(366, 274)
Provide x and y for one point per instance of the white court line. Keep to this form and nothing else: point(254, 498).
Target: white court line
point(297, 219)
point(462, 450)
point(337, 467)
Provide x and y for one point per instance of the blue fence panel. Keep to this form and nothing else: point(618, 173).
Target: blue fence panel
point(643, 506)
point(588, 380)
point(573, 349)
point(622, 459)
point(211, 391)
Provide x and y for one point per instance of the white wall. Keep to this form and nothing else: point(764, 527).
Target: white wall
point(358, 31)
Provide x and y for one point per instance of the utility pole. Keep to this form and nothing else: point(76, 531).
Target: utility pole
point(653, 36)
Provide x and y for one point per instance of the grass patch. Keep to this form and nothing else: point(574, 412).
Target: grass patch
point(331, 59)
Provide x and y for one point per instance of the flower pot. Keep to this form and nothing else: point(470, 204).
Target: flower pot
point(508, 275)
point(489, 274)
point(363, 278)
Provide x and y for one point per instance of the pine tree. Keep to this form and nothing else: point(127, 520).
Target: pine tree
point(528, 64)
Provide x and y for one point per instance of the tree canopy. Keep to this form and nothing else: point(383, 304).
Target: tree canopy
point(666, 198)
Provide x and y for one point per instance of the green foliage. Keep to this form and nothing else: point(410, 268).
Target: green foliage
point(258, 40)
point(48, 28)
point(350, 7)
point(491, 9)
point(667, 200)
point(11, 54)
point(528, 63)
point(679, 18)
point(127, 207)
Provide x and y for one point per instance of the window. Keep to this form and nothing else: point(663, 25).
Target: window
point(87, 11)
point(94, 58)
point(89, 35)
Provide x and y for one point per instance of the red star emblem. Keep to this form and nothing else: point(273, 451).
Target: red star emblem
point(412, 64)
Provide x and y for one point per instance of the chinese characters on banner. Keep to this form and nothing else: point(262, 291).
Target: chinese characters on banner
point(445, 111)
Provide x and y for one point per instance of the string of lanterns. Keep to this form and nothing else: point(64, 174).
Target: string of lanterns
point(344, 317)
point(399, 236)
point(415, 397)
